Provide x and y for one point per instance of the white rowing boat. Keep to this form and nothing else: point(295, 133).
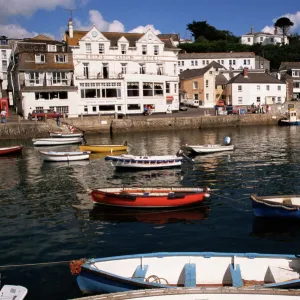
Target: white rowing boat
point(13, 292)
point(65, 134)
point(64, 156)
point(209, 148)
point(56, 141)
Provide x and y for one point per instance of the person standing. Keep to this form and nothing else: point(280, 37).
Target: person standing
point(58, 120)
point(3, 116)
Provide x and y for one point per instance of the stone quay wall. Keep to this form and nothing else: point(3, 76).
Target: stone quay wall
point(96, 125)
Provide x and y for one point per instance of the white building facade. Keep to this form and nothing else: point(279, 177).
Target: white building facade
point(293, 69)
point(263, 38)
point(123, 72)
point(258, 88)
point(230, 60)
point(5, 52)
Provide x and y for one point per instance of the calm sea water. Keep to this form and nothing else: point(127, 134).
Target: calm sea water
point(46, 214)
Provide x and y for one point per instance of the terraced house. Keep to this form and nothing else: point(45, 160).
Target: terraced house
point(41, 76)
point(118, 72)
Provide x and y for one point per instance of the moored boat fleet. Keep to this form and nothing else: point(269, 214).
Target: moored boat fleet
point(181, 275)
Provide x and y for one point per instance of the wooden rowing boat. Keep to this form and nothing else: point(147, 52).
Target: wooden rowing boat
point(11, 150)
point(56, 141)
point(104, 148)
point(206, 149)
point(187, 269)
point(54, 134)
point(154, 197)
point(64, 156)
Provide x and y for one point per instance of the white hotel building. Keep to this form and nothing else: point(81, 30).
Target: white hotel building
point(123, 72)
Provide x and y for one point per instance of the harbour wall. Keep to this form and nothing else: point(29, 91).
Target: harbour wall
point(108, 124)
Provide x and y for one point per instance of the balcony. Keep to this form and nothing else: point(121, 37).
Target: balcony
point(46, 83)
point(100, 76)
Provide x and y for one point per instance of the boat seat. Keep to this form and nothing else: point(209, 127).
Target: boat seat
point(287, 202)
point(190, 275)
point(236, 275)
point(140, 272)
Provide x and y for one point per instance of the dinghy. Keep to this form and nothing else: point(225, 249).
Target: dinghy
point(64, 156)
point(276, 206)
point(154, 197)
point(65, 134)
point(104, 148)
point(209, 148)
point(224, 293)
point(145, 162)
point(187, 269)
point(56, 141)
point(11, 150)
point(13, 292)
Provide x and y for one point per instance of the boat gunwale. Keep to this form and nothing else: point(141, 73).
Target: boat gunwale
point(66, 154)
point(267, 200)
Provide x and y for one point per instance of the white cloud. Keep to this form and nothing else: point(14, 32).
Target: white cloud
point(16, 31)
point(295, 18)
point(143, 29)
point(29, 7)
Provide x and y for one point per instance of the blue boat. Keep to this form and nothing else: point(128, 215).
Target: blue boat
point(187, 269)
point(291, 119)
point(276, 206)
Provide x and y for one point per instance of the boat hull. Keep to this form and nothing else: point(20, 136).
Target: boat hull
point(237, 270)
point(261, 209)
point(65, 135)
point(149, 198)
point(289, 123)
point(207, 149)
point(145, 166)
point(56, 141)
point(103, 148)
point(10, 150)
point(64, 156)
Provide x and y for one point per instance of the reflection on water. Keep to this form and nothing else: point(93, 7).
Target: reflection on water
point(47, 214)
point(183, 215)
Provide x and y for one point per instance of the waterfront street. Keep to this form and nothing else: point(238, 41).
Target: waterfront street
point(47, 214)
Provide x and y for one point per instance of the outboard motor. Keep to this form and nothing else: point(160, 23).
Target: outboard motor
point(227, 140)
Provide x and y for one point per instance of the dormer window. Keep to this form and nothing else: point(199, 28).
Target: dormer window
point(123, 49)
point(40, 58)
point(144, 49)
point(51, 48)
point(156, 50)
point(61, 58)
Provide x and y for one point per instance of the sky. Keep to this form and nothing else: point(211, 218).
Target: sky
point(28, 18)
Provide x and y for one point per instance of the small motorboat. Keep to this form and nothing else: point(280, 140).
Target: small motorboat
point(64, 156)
point(65, 134)
point(276, 206)
point(205, 293)
point(126, 161)
point(13, 292)
point(56, 141)
point(104, 148)
point(290, 119)
point(154, 197)
point(11, 150)
point(209, 148)
point(187, 269)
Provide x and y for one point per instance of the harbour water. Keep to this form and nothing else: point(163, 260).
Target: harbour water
point(47, 216)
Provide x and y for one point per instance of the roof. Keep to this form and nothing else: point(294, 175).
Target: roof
point(254, 78)
point(216, 55)
point(221, 79)
point(259, 33)
point(285, 76)
point(192, 73)
point(289, 65)
point(173, 36)
point(49, 88)
point(113, 37)
point(41, 37)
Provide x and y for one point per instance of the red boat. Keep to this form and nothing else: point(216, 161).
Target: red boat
point(9, 150)
point(155, 197)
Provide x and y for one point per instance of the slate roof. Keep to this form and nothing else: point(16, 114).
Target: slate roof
point(254, 78)
point(216, 55)
point(173, 36)
point(259, 33)
point(221, 79)
point(192, 73)
point(289, 65)
point(113, 37)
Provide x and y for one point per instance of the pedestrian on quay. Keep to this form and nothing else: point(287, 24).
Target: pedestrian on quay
point(3, 116)
point(58, 120)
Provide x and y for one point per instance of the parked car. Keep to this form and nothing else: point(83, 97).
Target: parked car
point(43, 113)
point(182, 107)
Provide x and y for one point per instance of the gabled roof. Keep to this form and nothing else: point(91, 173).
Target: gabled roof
point(221, 79)
point(192, 73)
point(255, 78)
point(113, 37)
point(173, 36)
point(41, 37)
point(216, 55)
point(287, 65)
point(259, 33)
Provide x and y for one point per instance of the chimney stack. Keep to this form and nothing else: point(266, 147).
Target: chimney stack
point(252, 30)
point(245, 73)
point(275, 30)
point(70, 25)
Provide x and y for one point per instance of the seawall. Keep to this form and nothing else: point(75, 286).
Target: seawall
point(27, 129)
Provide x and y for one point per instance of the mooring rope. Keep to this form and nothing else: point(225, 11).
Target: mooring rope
point(36, 264)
